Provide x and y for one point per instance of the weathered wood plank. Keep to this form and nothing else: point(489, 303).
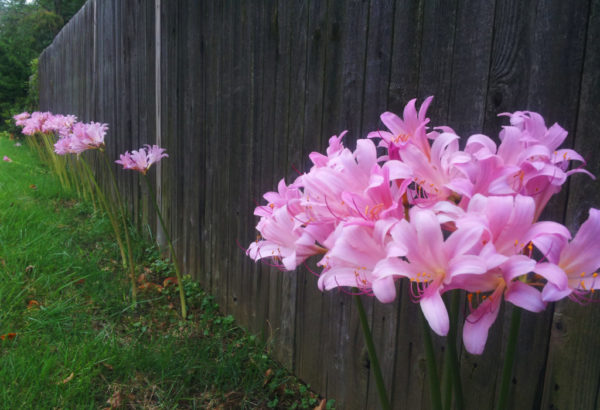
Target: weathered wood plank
point(409, 364)
point(557, 53)
point(192, 123)
point(468, 84)
point(345, 59)
point(246, 89)
point(310, 321)
point(506, 82)
point(279, 304)
point(220, 284)
point(297, 15)
point(572, 378)
point(470, 66)
point(213, 101)
point(374, 102)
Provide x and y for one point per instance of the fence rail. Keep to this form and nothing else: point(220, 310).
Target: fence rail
point(239, 92)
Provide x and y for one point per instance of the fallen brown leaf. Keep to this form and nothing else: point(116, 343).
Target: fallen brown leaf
point(268, 376)
point(32, 303)
point(150, 285)
point(115, 400)
point(68, 379)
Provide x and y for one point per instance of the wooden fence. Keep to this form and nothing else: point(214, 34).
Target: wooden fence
point(239, 92)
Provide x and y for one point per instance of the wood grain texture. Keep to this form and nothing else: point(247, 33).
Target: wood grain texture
point(573, 368)
point(311, 320)
point(249, 89)
point(378, 60)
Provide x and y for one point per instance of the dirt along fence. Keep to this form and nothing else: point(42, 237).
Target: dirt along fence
point(239, 92)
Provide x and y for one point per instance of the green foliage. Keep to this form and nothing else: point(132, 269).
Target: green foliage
point(25, 30)
point(32, 100)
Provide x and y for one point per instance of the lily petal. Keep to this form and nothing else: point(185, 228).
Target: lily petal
point(384, 289)
point(525, 296)
point(435, 312)
point(478, 323)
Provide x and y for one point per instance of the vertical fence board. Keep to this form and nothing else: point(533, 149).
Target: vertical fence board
point(376, 83)
point(507, 83)
point(310, 321)
point(296, 18)
point(555, 68)
point(573, 367)
point(342, 105)
point(408, 381)
point(211, 131)
point(245, 290)
point(221, 176)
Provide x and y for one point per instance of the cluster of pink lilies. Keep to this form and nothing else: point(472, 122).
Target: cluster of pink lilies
point(76, 137)
point(63, 134)
point(445, 218)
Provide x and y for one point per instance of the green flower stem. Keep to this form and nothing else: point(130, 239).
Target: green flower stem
point(122, 211)
point(434, 382)
point(451, 374)
point(171, 248)
point(383, 397)
point(447, 380)
point(509, 358)
point(77, 179)
point(107, 208)
point(85, 181)
point(56, 162)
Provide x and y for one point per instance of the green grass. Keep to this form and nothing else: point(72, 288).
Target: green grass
point(71, 338)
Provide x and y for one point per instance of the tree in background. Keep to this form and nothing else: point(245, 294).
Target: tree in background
point(26, 28)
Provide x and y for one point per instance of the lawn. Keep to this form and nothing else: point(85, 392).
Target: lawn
point(70, 337)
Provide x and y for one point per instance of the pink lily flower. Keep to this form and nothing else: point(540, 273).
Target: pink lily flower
point(284, 240)
point(81, 138)
point(527, 162)
point(354, 251)
point(431, 262)
point(334, 149)
point(61, 124)
point(410, 130)
point(142, 159)
point(500, 283)
point(509, 224)
point(509, 234)
point(344, 173)
point(63, 146)
point(579, 260)
point(35, 122)
point(285, 195)
point(20, 118)
point(88, 136)
point(437, 175)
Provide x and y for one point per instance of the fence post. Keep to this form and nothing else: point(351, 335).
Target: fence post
point(160, 235)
